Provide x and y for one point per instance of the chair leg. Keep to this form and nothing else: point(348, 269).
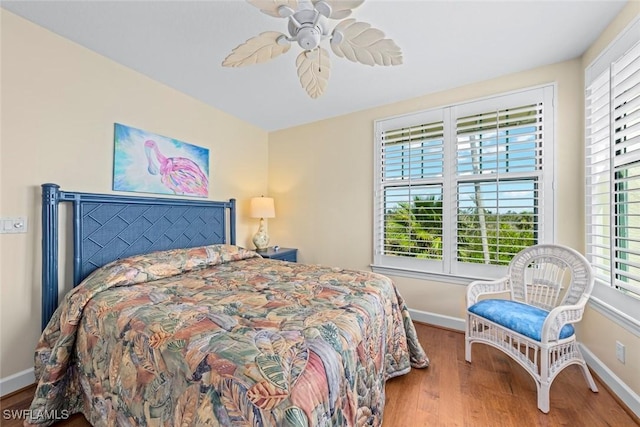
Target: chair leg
point(543, 398)
point(467, 343)
point(588, 377)
point(545, 382)
point(544, 385)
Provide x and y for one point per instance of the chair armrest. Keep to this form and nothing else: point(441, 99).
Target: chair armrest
point(557, 318)
point(484, 287)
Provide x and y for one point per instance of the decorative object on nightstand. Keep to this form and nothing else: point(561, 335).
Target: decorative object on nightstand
point(282, 254)
point(262, 207)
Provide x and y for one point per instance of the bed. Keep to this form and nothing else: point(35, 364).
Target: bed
point(171, 323)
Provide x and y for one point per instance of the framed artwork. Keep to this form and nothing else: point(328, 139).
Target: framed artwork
point(148, 163)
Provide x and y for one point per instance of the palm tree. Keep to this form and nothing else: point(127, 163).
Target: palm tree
point(415, 228)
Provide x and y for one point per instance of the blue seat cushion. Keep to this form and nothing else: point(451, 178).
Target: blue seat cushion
point(522, 318)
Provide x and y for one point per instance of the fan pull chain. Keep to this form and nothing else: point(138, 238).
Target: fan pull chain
point(319, 61)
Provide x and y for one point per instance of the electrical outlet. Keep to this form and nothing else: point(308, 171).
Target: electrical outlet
point(12, 225)
point(620, 351)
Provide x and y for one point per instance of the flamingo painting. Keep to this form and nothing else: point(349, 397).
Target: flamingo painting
point(150, 163)
point(178, 174)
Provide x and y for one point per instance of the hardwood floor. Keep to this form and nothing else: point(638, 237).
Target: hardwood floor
point(493, 391)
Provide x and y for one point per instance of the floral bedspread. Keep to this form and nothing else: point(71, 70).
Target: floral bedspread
point(217, 335)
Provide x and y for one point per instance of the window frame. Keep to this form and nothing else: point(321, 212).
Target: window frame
point(449, 269)
point(623, 309)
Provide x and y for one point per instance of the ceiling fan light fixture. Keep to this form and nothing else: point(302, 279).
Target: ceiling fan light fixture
point(350, 39)
point(309, 37)
point(307, 27)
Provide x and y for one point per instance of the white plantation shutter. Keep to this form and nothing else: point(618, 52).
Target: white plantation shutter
point(625, 120)
point(499, 171)
point(612, 214)
point(411, 189)
point(598, 177)
point(460, 189)
point(613, 173)
point(412, 176)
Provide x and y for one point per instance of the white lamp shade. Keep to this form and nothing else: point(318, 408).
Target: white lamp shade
point(262, 207)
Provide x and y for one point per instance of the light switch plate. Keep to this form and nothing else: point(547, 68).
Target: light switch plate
point(13, 225)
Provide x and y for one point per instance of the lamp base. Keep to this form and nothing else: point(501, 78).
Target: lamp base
point(261, 242)
point(261, 238)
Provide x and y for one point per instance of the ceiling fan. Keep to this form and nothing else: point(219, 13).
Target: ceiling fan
point(308, 27)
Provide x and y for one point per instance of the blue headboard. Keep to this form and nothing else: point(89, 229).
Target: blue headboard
point(107, 227)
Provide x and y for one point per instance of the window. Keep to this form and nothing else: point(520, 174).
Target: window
point(613, 169)
point(461, 189)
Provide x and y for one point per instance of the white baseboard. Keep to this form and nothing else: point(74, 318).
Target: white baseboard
point(438, 320)
point(16, 381)
point(615, 384)
point(619, 388)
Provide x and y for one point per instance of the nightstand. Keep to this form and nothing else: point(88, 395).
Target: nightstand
point(282, 254)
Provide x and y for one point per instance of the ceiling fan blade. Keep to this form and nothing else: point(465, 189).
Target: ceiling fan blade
point(271, 7)
point(314, 70)
point(257, 50)
point(359, 42)
point(341, 8)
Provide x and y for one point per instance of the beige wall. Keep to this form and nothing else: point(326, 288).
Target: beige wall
point(59, 104)
point(321, 175)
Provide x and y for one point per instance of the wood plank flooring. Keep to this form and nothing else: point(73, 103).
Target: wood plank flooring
point(493, 391)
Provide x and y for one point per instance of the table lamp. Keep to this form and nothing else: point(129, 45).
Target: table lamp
point(262, 207)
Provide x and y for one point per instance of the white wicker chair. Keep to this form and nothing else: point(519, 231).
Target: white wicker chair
point(531, 326)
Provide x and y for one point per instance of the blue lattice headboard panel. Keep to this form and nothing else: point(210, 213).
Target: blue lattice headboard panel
point(107, 227)
point(110, 231)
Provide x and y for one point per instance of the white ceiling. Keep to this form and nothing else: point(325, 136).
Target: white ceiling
point(445, 44)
